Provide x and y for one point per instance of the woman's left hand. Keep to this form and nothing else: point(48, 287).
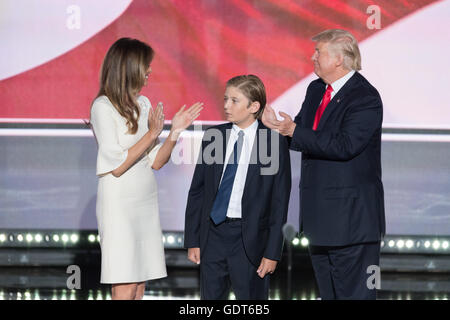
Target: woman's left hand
point(184, 118)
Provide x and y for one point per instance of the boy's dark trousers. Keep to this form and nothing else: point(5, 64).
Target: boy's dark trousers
point(224, 265)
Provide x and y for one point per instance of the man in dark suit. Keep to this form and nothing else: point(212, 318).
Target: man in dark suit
point(338, 131)
point(238, 200)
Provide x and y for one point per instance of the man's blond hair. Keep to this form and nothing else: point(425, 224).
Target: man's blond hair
point(342, 42)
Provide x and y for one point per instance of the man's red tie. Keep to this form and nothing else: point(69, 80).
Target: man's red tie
point(325, 100)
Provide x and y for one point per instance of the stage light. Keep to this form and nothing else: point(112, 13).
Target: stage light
point(19, 237)
point(304, 242)
point(427, 244)
point(409, 243)
point(38, 238)
point(295, 241)
point(74, 238)
point(436, 244)
point(91, 238)
point(163, 239)
point(55, 238)
point(36, 295)
point(445, 245)
point(391, 243)
point(277, 295)
point(2, 237)
point(65, 238)
point(99, 295)
point(382, 244)
point(400, 244)
point(98, 238)
point(170, 239)
point(29, 237)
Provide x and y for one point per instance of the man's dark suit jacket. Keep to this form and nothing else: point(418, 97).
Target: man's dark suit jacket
point(264, 202)
point(341, 193)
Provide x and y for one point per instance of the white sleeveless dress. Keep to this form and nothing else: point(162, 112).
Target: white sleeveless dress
point(127, 206)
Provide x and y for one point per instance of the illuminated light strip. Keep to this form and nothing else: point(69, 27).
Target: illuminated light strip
point(63, 294)
point(414, 244)
point(173, 239)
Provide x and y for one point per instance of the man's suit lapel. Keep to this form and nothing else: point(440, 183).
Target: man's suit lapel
point(316, 97)
point(338, 99)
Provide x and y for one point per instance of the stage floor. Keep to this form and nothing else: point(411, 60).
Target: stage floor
point(50, 283)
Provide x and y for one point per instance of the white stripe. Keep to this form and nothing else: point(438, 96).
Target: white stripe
point(77, 133)
point(415, 127)
point(16, 132)
point(39, 120)
point(46, 132)
point(82, 121)
point(415, 137)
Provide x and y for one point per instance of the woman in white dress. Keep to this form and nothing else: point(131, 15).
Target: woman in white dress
point(126, 129)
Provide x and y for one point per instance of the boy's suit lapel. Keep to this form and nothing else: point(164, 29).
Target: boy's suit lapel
point(254, 165)
point(218, 167)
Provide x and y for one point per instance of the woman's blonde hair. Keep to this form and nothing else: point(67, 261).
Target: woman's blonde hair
point(122, 77)
point(343, 42)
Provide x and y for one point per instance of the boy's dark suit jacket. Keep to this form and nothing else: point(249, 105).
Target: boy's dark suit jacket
point(341, 193)
point(264, 202)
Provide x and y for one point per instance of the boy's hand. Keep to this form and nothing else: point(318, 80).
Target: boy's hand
point(194, 255)
point(266, 266)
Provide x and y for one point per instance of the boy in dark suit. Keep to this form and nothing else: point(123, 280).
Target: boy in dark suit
point(238, 200)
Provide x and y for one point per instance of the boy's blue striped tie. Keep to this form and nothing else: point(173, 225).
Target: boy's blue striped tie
point(220, 207)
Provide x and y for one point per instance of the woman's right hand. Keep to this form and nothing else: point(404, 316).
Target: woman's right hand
point(184, 118)
point(156, 120)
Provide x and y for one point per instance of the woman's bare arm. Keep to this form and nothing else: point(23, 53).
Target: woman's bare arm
point(156, 123)
point(181, 120)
